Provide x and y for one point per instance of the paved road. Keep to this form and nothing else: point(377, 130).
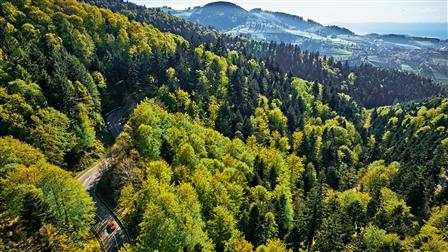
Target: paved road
point(114, 241)
point(92, 176)
point(114, 118)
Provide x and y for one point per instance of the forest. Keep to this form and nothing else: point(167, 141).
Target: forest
point(232, 144)
point(368, 88)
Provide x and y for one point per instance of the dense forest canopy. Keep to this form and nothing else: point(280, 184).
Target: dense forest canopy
point(319, 192)
point(369, 86)
point(234, 145)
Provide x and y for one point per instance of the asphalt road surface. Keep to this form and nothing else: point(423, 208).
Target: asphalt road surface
point(113, 119)
point(110, 241)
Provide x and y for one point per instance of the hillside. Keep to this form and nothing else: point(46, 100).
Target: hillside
point(221, 15)
point(229, 144)
point(390, 51)
point(383, 86)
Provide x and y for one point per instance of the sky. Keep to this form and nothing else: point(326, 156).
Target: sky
point(336, 11)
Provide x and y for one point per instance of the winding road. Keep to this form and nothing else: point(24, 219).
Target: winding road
point(111, 242)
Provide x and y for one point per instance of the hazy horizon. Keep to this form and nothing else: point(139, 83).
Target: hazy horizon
point(334, 11)
point(427, 29)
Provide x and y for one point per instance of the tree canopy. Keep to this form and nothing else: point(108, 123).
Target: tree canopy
point(228, 144)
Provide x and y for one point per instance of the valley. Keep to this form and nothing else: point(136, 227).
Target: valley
point(425, 56)
point(126, 128)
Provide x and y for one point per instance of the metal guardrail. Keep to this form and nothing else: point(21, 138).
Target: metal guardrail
point(114, 215)
point(110, 112)
point(107, 206)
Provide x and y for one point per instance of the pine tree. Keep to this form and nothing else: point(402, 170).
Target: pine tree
point(35, 212)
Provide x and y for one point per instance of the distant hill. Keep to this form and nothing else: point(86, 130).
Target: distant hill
point(220, 15)
point(425, 56)
point(229, 17)
point(299, 23)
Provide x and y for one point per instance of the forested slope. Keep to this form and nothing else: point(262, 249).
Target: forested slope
point(42, 207)
point(369, 86)
point(232, 152)
point(171, 171)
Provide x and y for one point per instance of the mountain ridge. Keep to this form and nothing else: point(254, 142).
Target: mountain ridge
point(232, 145)
point(396, 51)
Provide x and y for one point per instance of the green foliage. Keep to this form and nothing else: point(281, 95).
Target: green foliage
point(172, 222)
point(432, 236)
point(222, 228)
point(415, 137)
point(393, 214)
point(51, 134)
point(369, 216)
point(60, 63)
point(44, 199)
point(14, 153)
point(36, 213)
point(229, 150)
point(375, 239)
point(66, 197)
point(378, 175)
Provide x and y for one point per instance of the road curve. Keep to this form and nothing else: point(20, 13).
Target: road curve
point(114, 241)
